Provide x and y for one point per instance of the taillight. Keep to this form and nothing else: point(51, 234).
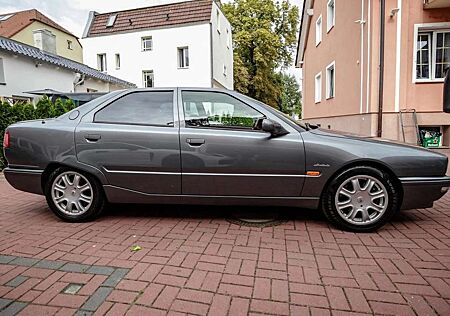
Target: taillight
point(6, 140)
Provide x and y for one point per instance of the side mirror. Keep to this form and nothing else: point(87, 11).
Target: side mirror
point(272, 127)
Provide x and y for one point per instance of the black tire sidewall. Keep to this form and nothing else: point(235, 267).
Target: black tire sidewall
point(97, 204)
point(328, 198)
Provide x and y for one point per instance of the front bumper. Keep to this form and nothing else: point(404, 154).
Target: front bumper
point(421, 192)
point(28, 180)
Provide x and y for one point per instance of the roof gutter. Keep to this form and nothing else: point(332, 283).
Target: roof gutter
point(304, 30)
point(381, 69)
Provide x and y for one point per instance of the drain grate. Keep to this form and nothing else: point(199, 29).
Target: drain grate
point(256, 219)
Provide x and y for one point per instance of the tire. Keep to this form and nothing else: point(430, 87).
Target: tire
point(363, 205)
point(85, 196)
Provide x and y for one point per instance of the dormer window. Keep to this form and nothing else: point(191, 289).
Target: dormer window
point(111, 20)
point(5, 17)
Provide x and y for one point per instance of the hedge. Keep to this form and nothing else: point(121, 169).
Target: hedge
point(22, 111)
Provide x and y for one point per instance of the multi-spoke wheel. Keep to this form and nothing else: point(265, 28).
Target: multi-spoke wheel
point(74, 196)
point(360, 199)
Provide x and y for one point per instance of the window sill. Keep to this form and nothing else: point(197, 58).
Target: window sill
point(328, 30)
point(317, 44)
point(317, 102)
point(331, 97)
point(183, 67)
point(2, 83)
point(440, 80)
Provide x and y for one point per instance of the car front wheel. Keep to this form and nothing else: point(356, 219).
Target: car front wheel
point(74, 196)
point(360, 199)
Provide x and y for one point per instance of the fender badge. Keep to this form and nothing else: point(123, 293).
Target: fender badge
point(325, 165)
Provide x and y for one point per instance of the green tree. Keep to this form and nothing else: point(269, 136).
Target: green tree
point(290, 97)
point(264, 39)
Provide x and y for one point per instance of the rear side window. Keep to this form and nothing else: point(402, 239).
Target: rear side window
point(139, 108)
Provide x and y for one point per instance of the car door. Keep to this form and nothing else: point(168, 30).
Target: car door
point(223, 155)
point(134, 141)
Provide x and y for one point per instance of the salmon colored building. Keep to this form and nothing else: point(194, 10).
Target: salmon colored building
point(368, 65)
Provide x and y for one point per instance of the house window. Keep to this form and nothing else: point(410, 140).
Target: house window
point(225, 70)
point(2, 72)
point(318, 88)
point(111, 20)
point(218, 20)
point(69, 44)
point(147, 43)
point(101, 62)
point(228, 39)
point(183, 57)
point(330, 15)
point(117, 61)
point(432, 55)
point(148, 78)
point(319, 30)
point(330, 81)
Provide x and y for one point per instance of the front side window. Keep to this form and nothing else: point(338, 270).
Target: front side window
point(183, 57)
point(148, 78)
point(219, 110)
point(318, 88)
point(69, 45)
point(147, 43)
point(101, 62)
point(2, 72)
point(139, 108)
point(117, 61)
point(432, 55)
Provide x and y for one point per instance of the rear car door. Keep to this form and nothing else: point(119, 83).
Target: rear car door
point(223, 155)
point(133, 140)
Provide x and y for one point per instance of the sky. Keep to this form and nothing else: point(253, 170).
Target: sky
point(73, 14)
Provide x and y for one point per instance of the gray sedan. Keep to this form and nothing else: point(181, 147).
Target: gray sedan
point(209, 146)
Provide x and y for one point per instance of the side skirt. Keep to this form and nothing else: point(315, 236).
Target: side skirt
point(116, 194)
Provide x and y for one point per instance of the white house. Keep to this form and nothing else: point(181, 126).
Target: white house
point(25, 68)
point(177, 44)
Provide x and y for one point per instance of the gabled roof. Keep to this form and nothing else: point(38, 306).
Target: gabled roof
point(20, 20)
point(194, 11)
point(34, 53)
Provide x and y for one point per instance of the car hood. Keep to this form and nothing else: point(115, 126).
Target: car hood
point(371, 139)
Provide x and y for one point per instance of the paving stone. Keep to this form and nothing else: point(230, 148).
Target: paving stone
point(4, 302)
point(97, 299)
point(83, 313)
point(6, 259)
point(22, 261)
point(13, 309)
point(100, 270)
point(74, 267)
point(18, 280)
point(115, 277)
point(50, 264)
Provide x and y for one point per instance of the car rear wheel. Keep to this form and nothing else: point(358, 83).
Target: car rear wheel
point(360, 199)
point(74, 196)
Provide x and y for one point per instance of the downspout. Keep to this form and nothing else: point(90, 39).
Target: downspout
point(381, 70)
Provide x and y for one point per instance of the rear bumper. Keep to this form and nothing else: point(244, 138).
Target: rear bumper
point(421, 192)
point(28, 180)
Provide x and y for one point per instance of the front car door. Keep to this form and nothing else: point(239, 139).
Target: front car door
point(133, 140)
point(224, 155)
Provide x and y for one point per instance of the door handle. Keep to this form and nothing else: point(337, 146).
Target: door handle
point(92, 137)
point(195, 141)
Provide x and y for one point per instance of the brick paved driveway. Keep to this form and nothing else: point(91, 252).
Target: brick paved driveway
point(193, 261)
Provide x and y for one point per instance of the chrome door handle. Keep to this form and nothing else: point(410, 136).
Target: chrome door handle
point(92, 137)
point(195, 141)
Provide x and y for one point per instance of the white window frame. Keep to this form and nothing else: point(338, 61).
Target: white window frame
point(102, 66)
point(111, 20)
point(144, 81)
point(319, 26)
point(2, 72)
point(228, 39)
point(183, 62)
point(331, 22)
point(328, 94)
point(218, 20)
point(117, 59)
point(144, 47)
point(225, 70)
point(431, 28)
point(69, 44)
point(318, 88)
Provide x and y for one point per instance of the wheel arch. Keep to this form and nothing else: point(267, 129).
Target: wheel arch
point(367, 163)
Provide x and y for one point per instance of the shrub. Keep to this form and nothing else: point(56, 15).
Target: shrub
point(22, 111)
